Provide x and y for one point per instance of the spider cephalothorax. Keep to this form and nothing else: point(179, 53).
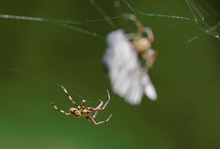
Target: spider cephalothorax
point(82, 111)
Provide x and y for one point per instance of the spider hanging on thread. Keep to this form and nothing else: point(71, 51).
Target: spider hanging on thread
point(86, 112)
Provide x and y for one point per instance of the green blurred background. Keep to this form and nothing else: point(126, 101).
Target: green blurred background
point(186, 76)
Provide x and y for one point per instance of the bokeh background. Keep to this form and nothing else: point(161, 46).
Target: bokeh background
point(186, 76)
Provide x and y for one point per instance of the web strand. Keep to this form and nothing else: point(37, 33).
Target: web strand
point(63, 23)
point(197, 17)
point(37, 78)
point(195, 11)
point(137, 12)
point(106, 17)
point(200, 20)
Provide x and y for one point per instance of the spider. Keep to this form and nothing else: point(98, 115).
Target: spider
point(86, 112)
point(128, 59)
point(140, 43)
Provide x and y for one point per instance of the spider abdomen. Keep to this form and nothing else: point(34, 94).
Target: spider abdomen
point(75, 111)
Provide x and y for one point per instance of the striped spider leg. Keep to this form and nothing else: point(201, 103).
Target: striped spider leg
point(97, 109)
point(141, 43)
point(86, 112)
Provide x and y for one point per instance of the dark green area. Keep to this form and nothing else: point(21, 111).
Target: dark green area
point(186, 76)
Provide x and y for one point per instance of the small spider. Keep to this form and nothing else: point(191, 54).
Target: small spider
point(141, 43)
point(82, 111)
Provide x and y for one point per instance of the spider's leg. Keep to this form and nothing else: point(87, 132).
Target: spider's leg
point(67, 114)
point(141, 28)
point(150, 34)
point(71, 100)
point(95, 114)
point(135, 20)
point(106, 101)
point(98, 108)
point(97, 123)
point(131, 36)
point(150, 56)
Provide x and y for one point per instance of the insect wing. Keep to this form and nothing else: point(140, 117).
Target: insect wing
point(149, 89)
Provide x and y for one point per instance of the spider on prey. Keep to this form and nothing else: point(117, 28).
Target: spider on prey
point(86, 112)
point(128, 60)
point(141, 43)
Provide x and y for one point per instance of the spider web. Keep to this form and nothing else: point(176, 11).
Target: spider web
point(196, 9)
point(203, 15)
point(198, 17)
